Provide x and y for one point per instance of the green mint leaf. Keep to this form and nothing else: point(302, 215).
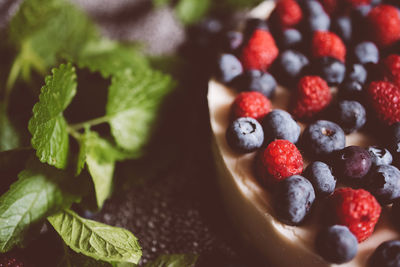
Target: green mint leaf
point(133, 103)
point(47, 125)
point(96, 240)
point(9, 137)
point(191, 11)
point(73, 259)
point(174, 260)
point(37, 194)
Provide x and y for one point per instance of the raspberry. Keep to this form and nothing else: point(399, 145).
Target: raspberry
point(288, 13)
point(330, 6)
point(328, 44)
point(251, 104)
point(281, 159)
point(260, 51)
point(385, 99)
point(357, 209)
point(355, 3)
point(313, 95)
point(10, 260)
point(391, 66)
point(385, 25)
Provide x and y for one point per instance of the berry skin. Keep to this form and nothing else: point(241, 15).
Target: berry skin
point(312, 96)
point(350, 115)
point(256, 81)
point(328, 44)
point(322, 137)
point(357, 209)
point(291, 63)
point(229, 67)
point(281, 159)
point(385, 99)
point(290, 38)
point(330, 6)
point(366, 52)
point(384, 22)
point(315, 17)
point(245, 135)
point(337, 244)
point(357, 72)
point(260, 51)
point(12, 260)
point(384, 183)
point(380, 156)
point(391, 66)
point(232, 41)
point(343, 27)
point(251, 104)
point(351, 90)
point(288, 13)
point(321, 177)
point(254, 24)
point(386, 255)
point(278, 124)
point(330, 69)
point(293, 199)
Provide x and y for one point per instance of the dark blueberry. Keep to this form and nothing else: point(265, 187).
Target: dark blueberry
point(377, 2)
point(316, 18)
point(206, 33)
point(254, 24)
point(321, 177)
point(331, 70)
point(343, 27)
point(351, 164)
point(395, 142)
point(278, 124)
point(380, 156)
point(386, 255)
point(396, 132)
point(323, 137)
point(384, 183)
point(256, 80)
point(351, 90)
point(245, 135)
point(396, 213)
point(293, 199)
point(362, 10)
point(228, 68)
point(357, 72)
point(291, 38)
point(350, 115)
point(337, 244)
point(366, 52)
point(291, 63)
point(232, 41)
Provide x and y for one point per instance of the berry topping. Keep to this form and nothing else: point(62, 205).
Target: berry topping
point(385, 99)
point(350, 115)
point(288, 13)
point(291, 63)
point(357, 209)
point(278, 124)
point(260, 51)
point(257, 81)
point(384, 183)
point(330, 6)
point(357, 72)
point(328, 44)
point(351, 90)
point(312, 96)
point(293, 199)
point(343, 27)
point(391, 66)
point(366, 52)
point(251, 104)
point(232, 41)
point(386, 255)
point(380, 156)
point(290, 38)
point(320, 175)
point(229, 67)
point(385, 24)
point(352, 163)
point(330, 69)
point(12, 260)
point(245, 135)
point(316, 19)
point(337, 244)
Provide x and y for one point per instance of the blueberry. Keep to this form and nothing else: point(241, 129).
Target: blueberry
point(350, 115)
point(291, 38)
point(228, 68)
point(337, 244)
point(380, 156)
point(386, 255)
point(321, 177)
point(323, 137)
point(245, 135)
point(343, 27)
point(293, 199)
point(291, 63)
point(366, 52)
point(232, 41)
point(377, 2)
point(357, 72)
point(278, 124)
point(361, 11)
point(395, 142)
point(396, 213)
point(330, 69)
point(316, 18)
point(384, 183)
point(351, 90)
point(351, 164)
point(396, 132)
point(256, 80)
point(254, 24)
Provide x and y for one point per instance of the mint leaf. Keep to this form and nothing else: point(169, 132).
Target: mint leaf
point(9, 137)
point(37, 194)
point(133, 103)
point(48, 126)
point(96, 240)
point(191, 11)
point(174, 260)
point(73, 259)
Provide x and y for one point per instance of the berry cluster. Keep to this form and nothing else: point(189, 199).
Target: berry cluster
point(309, 45)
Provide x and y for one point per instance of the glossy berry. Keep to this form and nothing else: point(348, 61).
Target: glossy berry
point(385, 99)
point(288, 13)
point(384, 21)
point(352, 163)
point(281, 159)
point(254, 24)
point(293, 199)
point(333, 71)
point(366, 52)
point(232, 41)
point(228, 68)
point(384, 183)
point(278, 124)
point(337, 244)
point(312, 96)
point(350, 115)
point(256, 81)
point(291, 64)
point(12, 260)
point(343, 27)
point(315, 17)
point(321, 177)
point(245, 135)
point(357, 72)
point(328, 44)
point(351, 90)
point(330, 6)
point(357, 209)
point(250, 104)
point(387, 254)
point(260, 51)
point(380, 156)
point(322, 138)
point(391, 66)
point(290, 38)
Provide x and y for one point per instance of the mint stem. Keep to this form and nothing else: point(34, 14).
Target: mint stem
point(89, 123)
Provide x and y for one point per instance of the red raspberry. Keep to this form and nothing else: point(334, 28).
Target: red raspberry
point(355, 3)
point(385, 25)
point(328, 44)
point(357, 209)
point(288, 13)
point(260, 51)
point(312, 96)
point(10, 260)
point(281, 159)
point(330, 6)
point(385, 99)
point(391, 66)
point(251, 104)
